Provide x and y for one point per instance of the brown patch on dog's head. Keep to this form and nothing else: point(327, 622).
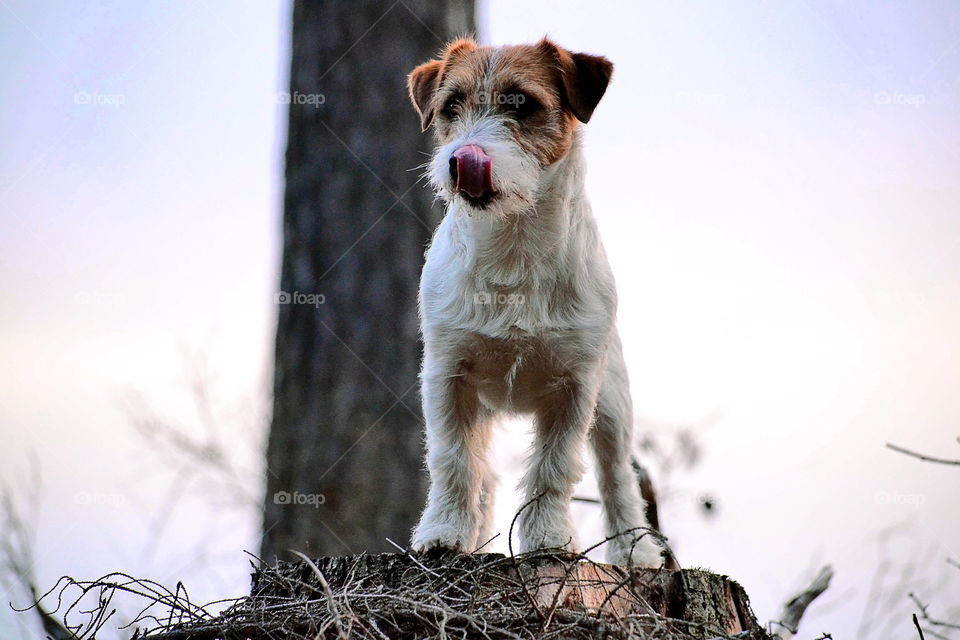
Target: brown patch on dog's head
point(424, 81)
point(540, 91)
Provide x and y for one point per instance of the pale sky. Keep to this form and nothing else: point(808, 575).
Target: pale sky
point(778, 188)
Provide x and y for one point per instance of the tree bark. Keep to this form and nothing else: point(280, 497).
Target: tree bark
point(344, 455)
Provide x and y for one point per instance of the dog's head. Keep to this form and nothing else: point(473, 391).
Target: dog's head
point(502, 115)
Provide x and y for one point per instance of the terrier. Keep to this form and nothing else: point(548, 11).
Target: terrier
point(518, 302)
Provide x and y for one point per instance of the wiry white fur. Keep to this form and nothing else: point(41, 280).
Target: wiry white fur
point(553, 347)
point(515, 173)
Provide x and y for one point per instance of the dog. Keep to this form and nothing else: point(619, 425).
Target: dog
point(517, 301)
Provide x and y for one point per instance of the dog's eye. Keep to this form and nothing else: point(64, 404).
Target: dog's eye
point(521, 105)
point(452, 106)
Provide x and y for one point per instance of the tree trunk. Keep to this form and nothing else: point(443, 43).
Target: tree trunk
point(344, 454)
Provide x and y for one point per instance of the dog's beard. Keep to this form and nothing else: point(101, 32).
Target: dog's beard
point(515, 176)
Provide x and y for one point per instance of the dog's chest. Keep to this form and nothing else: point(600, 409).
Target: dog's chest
point(514, 373)
point(501, 285)
point(518, 310)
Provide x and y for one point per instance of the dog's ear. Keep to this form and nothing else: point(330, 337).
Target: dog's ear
point(422, 84)
point(584, 78)
point(424, 81)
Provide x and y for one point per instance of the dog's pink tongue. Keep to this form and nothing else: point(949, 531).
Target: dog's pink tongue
point(474, 171)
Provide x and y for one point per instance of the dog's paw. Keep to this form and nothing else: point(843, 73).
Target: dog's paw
point(536, 535)
point(641, 552)
point(439, 537)
point(438, 547)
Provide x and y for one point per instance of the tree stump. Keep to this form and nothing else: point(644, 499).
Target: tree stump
point(537, 595)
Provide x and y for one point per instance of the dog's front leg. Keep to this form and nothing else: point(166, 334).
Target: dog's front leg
point(561, 422)
point(457, 430)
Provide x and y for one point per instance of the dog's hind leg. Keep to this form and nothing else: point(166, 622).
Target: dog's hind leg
point(488, 495)
point(612, 444)
point(556, 464)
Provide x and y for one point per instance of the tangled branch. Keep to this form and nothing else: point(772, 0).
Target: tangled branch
point(482, 596)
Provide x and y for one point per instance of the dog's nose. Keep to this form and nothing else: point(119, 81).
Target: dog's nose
point(472, 171)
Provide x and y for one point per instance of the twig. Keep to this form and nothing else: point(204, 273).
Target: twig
point(513, 558)
point(410, 555)
point(327, 592)
point(794, 609)
point(494, 537)
point(921, 456)
point(925, 616)
point(16, 554)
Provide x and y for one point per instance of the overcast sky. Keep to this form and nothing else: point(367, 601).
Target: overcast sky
point(778, 188)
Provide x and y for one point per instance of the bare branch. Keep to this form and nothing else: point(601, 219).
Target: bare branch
point(16, 556)
point(794, 609)
point(921, 456)
point(925, 616)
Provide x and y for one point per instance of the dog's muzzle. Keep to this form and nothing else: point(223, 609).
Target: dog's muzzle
point(472, 171)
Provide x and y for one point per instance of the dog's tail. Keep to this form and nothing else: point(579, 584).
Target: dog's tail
point(650, 510)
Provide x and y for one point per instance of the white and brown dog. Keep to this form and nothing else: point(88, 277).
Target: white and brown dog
point(517, 300)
